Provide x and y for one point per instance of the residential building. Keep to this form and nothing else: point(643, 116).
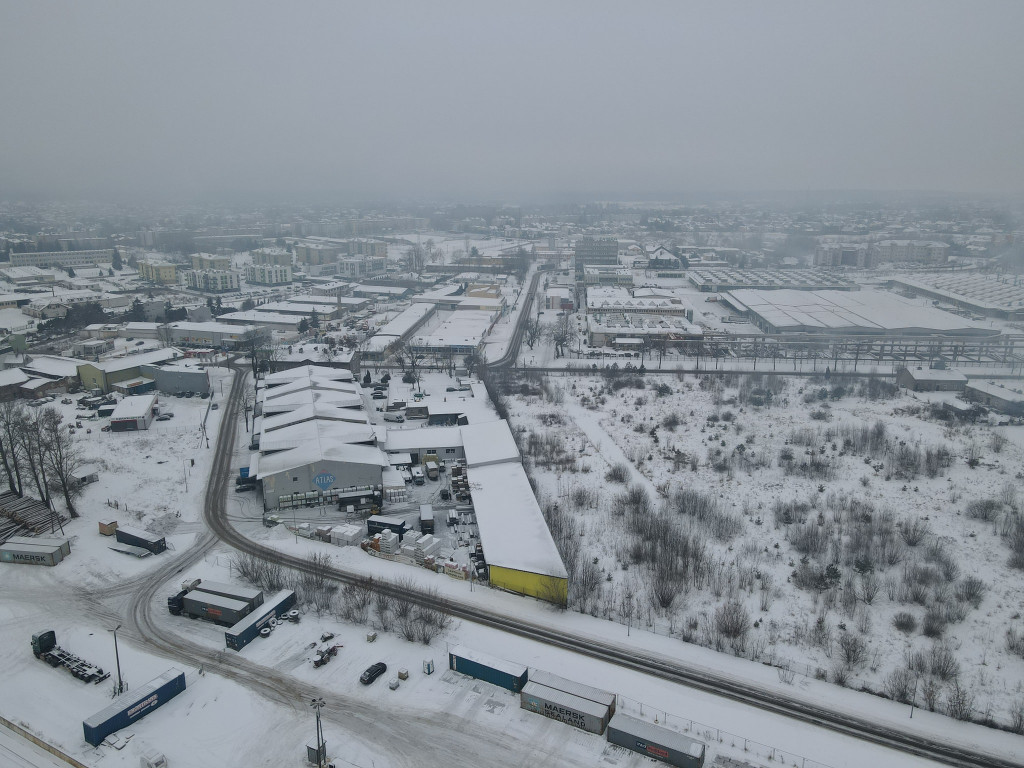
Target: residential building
point(163, 272)
point(268, 274)
point(594, 252)
point(62, 258)
point(278, 256)
point(927, 251)
point(211, 280)
point(201, 261)
point(858, 255)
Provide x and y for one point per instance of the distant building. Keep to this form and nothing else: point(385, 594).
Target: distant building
point(201, 261)
point(931, 380)
point(595, 252)
point(62, 258)
point(268, 274)
point(211, 280)
point(857, 255)
point(1003, 399)
point(926, 251)
point(278, 256)
point(163, 272)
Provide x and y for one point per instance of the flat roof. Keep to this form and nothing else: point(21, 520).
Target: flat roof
point(512, 527)
point(134, 407)
point(996, 390)
point(935, 374)
point(489, 442)
point(400, 440)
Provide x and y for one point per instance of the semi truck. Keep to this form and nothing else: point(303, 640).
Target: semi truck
point(44, 647)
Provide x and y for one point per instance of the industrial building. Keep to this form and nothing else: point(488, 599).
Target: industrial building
point(931, 380)
point(635, 331)
point(133, 413)
point(594, 251)
point(461, 334)
point(637, 301)
point(996, 396)
point(728, 279)
point(999, 296)
point(123, 374)
point(847, 313)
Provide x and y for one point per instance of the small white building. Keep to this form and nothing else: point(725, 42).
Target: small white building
point(133, 413)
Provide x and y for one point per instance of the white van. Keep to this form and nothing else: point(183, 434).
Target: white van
point(417, 475)
point(394, 417)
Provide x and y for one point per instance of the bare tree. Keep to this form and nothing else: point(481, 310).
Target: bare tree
point(62, 457)
point(32, 441)
point(253, 342)
point(11, 414)
point(531, 332)
point(164, 334)
point(248, 400)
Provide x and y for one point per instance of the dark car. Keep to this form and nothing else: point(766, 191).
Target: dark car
point(379, 396)
point(373, 672)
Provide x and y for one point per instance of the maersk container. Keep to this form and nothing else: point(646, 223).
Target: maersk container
point(654, 741)
point(30, 554)
point(140, 538)
point(133, 706)
point(44, 541)
point(487, 668)
point(249, 595)
point(248, 629)
point(220, 610)
point(564, 707)
point(603, 698)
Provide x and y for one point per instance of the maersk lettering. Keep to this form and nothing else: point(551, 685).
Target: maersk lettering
point(563, 715)
point(28, 558)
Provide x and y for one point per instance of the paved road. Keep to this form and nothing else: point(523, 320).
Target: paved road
point(19, 752)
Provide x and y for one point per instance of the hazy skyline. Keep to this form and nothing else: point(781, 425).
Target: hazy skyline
point(520, 101)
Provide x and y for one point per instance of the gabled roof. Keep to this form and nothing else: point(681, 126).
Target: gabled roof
point(295, 435)
point(322, 449)
point(319, 411)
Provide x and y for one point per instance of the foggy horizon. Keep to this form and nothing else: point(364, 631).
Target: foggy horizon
point(460, 102)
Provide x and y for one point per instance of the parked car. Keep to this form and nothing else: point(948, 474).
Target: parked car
point(204, 395)
point(139, 343)
point(105, 429)
point(379, 396)
point(163, 417)
point(215, 406)
point(373, 672)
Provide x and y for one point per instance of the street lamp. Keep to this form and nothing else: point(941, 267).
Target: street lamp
point(117, 660)
point(317, 704)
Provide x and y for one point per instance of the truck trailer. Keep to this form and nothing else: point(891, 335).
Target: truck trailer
point(137, 537)
point(133, 706)
point(220, 610)
point(248, 629)
point(250, 595)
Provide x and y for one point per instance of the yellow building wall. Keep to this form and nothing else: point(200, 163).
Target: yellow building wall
point(92, 377)
point(550, 588)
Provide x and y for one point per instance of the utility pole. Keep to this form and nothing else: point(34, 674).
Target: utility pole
point(317, 705)
point(117, 660)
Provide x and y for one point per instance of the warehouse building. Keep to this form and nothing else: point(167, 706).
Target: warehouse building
point(327, 465)
point(177, 377)
point(1001, 398)
point(209, 334)
point(123, 374)
point(991, 295)
point(931, 380)
point(715, 280)
point(843, 313)
point(133, 413)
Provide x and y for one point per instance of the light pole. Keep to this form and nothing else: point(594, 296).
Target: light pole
point(117, 661)
point(317, 705)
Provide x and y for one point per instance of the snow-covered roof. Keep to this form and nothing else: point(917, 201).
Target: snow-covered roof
point(133, 361)
point(996, 390)
point(415, 439)
point(489, 443)
point(935, 374)
point(295, 435)
point(133, 407)
point(406, 320)
point(307, 372)
point(320, 411)
point(325, 448)
point(289, 401)
point(512, 527)
point(12, 377)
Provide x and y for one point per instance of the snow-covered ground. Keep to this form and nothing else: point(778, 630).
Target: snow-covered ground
point(773, 496)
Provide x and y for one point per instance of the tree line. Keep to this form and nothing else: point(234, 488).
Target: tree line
point(38, 453)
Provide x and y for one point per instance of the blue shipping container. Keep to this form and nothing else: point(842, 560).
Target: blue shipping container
point(487, 668)
point(248, 629)
point(133, 706)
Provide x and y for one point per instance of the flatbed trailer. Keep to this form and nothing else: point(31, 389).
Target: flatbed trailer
point(44, 646)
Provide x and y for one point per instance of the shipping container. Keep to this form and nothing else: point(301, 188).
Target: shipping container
point(47, 541)
point(603, 698)
point(654, 741)
point(426, 518)
point(220, 610)
point(250, 595)
point(432, 469)
point(140, 538)
point(417, 475)
point(133, 706)
point(564, 707)
point(487, 668)
point(30, 554)
point(248, 629)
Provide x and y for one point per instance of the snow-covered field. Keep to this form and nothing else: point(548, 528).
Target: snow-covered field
point(793, 528)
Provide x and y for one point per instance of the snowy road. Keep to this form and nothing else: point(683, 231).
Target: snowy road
point(17, 752)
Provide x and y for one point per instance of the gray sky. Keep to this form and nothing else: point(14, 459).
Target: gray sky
point(507, 101)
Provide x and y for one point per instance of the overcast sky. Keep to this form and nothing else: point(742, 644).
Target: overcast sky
point(507, 101)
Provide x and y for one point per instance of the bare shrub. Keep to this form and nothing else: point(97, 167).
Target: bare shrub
point(930, 691)
point(853, 649)
point(868, 588)
point(913, 531)
point(732, 621)
point(617, 473)
point(971, 590)
point(1017, 716)
point(934, 623)
point(898, 684)
point(983, 509)
point(905, 622)
point(1015, 642)
point(997, 442)
point(942, 664)
point(810, 539)
point(959, 702)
